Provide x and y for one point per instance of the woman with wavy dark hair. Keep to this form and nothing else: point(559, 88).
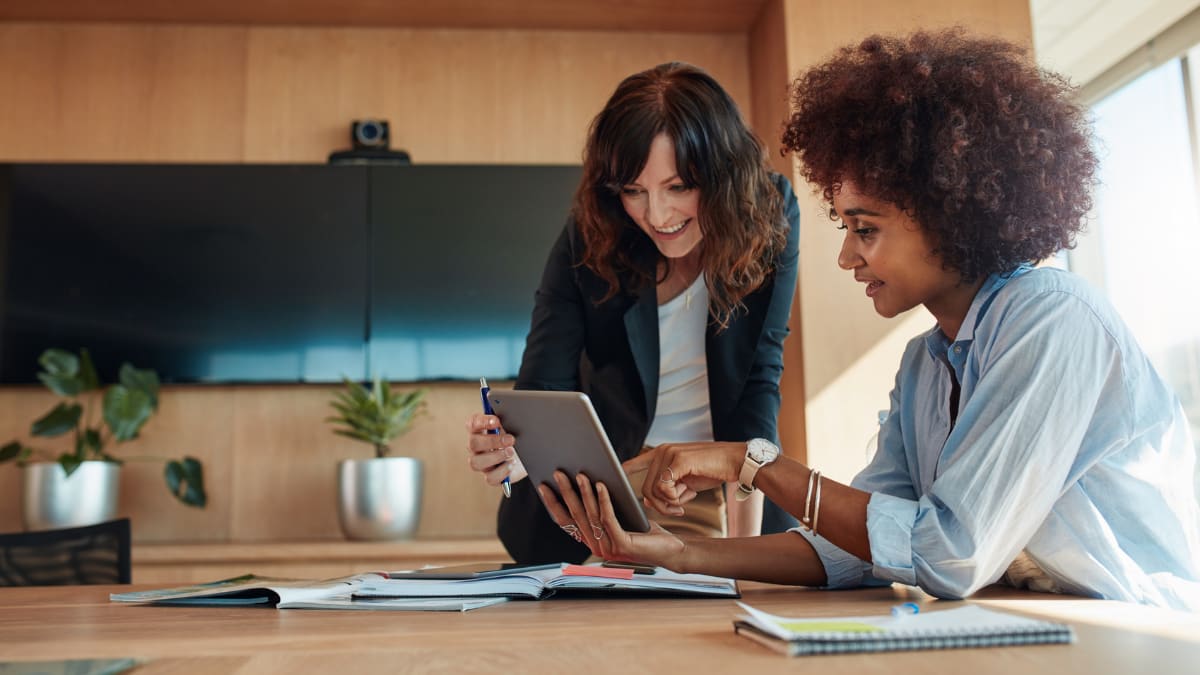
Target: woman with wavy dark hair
point(1029, 439)
point(666, 299)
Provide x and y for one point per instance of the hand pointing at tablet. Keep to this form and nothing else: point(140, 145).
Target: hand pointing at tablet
point(675, 472)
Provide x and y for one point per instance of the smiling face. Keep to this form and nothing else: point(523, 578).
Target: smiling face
point(661, 204)
point(889, 252)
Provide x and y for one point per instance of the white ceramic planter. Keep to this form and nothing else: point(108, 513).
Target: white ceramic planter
point(55, 500)
point(379, 498)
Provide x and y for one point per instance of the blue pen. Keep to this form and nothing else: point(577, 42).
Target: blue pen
point(487, 410)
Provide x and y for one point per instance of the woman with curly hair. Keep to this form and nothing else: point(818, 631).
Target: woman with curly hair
point(666, 299)
point(1029, 440)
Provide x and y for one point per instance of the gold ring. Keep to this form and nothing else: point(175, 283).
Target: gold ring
point(597, 531)
point(669, 473)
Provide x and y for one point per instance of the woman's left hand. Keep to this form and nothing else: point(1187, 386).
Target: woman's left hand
point(590, 518)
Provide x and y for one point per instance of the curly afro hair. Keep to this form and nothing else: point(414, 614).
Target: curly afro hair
point(984, 149)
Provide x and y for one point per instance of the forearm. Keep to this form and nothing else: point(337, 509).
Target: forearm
point(841, 514)
point(743, 518)
point(785, 558)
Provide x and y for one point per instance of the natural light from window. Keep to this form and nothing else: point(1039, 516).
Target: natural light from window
point(1145, 237)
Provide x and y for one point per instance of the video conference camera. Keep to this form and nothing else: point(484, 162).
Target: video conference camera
point(370, 134)
point(370, 142)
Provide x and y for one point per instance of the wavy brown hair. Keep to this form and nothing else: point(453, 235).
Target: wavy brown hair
point(741, 210)
point(981, 147)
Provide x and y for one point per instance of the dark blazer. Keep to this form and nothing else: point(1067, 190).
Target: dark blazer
point(610, 351)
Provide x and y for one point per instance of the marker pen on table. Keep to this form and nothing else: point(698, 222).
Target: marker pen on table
point(487, 410)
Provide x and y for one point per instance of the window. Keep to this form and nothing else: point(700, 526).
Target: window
point(1144, 239)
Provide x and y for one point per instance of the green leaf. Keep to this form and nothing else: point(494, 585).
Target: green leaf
point(126, 410)
point(185, 480)
point(10, 452)
point(145, 381)
point(375, 415)
point(88, 379)
point(59, 362)
point(60, 372)
point(62, 418)
point(90, 443)
point(69, 462)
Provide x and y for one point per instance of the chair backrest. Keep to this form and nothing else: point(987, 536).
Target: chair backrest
point(95, 554)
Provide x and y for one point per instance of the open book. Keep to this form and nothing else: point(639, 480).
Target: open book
point(542, 583)
point(336, 593)
point(968, 626)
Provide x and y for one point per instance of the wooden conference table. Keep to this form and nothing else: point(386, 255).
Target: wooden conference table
point(557, 635)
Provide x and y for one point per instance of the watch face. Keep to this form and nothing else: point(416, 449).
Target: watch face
point(762, 450)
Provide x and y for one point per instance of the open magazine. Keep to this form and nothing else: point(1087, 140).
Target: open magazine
point(339, 593)
point(538, 584)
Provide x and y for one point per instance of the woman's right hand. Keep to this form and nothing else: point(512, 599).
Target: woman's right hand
point(493, 455)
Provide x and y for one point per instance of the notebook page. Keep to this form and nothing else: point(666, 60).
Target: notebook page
point(965, 621)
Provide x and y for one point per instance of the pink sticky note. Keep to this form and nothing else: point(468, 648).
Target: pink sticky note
point(604, 572)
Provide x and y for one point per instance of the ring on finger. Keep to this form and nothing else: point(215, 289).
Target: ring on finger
point(670, 474)
point(573, 531)
point(597, 530)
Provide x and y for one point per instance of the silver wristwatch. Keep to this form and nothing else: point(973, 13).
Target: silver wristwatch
point(759, 453)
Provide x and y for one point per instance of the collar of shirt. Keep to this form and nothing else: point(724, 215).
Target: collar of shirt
point(955, 353)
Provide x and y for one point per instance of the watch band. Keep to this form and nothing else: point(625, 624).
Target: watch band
point(749, 470)
point(759, 453)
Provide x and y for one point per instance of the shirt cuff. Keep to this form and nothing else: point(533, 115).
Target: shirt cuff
point(842, 570)
point(889, 529)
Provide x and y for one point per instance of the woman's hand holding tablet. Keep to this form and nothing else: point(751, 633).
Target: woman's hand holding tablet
point(559, 431)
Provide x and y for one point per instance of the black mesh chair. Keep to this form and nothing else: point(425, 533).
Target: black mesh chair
point(95, 554)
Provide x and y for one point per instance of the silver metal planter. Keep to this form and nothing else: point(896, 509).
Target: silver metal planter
point(55, 500)
point(379, 498)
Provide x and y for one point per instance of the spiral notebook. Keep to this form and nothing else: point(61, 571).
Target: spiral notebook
point(968, 626)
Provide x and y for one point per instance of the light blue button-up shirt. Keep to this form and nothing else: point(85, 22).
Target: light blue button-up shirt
point(1067, 445)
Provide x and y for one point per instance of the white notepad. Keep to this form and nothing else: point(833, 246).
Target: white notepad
point(967, 626)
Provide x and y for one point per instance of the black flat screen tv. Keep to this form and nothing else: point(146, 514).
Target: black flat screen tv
point(275, 273)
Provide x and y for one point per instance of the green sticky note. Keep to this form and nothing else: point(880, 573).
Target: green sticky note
point(830, 627)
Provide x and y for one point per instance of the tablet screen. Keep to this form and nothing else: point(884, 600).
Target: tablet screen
point(559, 430)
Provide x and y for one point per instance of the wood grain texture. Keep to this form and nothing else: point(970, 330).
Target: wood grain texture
point(628, 15)
point(769, 90)
point(133, 93)
point(95, 93)
point(492, 97)
point(610, 635)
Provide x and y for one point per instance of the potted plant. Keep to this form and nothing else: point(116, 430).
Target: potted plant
point(79, 485)
point(378, 498)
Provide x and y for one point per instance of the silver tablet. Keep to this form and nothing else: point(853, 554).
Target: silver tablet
point(560, 430)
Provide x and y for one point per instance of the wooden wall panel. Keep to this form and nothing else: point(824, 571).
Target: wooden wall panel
point(162, 93)
point(121, 93)
point(691, 16)
point(769, 79)
point(489, 97)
